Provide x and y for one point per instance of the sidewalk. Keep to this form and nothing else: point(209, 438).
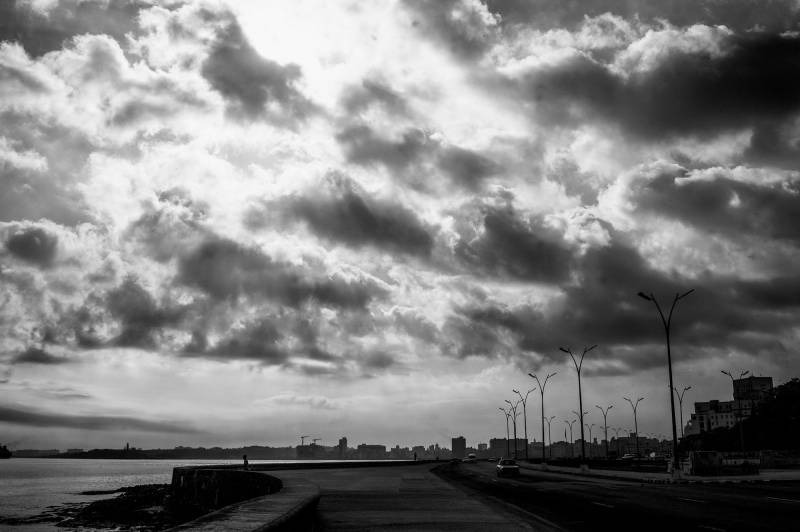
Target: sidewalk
point(766, 475)
point(401, 498)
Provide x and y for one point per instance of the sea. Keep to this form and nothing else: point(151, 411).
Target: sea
point(29, 486)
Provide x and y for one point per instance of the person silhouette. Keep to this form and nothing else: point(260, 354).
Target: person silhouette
point(244, 458)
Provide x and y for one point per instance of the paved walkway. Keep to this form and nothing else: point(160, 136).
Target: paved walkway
point(400, 498)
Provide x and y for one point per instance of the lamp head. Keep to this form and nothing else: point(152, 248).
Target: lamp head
point(644, 296)
point(567, 351)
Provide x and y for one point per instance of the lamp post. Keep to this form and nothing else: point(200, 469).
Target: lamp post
point(514, 411)
point(616, 437)
point(508, 436)
point(666, 323)
point(571, 441)
point(549, 435)
point(541, 390)
point(591, 441)
point(738, 410)
point(578, 366)
point(605, 423)
point(635, 407)
point(680, 403)
point(525, 416)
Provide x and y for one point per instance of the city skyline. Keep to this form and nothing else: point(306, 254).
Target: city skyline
point(229, 221)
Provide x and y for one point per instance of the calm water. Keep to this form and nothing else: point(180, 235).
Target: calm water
point(29, 485)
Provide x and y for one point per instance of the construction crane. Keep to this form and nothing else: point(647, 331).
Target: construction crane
point(303, 439)
point(315, 440)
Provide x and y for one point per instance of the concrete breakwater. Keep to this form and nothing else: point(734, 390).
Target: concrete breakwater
point(212, 487)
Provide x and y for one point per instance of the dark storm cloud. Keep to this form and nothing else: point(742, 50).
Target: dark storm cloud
point(602, 307)
point(257, 341)
point(466, 167)
point(40, 33)
point(456, 24)
point(774, 15)
point(38, 418)
point(724, 205)
point(377, 360)
point(346, 214)
point(373, 92)
point(363, 145)
point(138, 314)
point(37, 355)
point(757, 81)
point(251, 82)
point(226, 270)
point(513, 247)
point(34, 245)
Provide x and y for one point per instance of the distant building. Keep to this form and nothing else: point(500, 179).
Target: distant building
point(371, 452)
point(342, 448)
point(483, 447)
point(459, 447)
point(35, 453)
point(501, 447)
point(74, 450)
point(714, 414)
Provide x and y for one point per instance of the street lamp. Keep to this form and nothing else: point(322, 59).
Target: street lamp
point(514, 410)
point(578, 366)
point(508, 436)
point(549, 435)
point(616, 437)
point(591, 441)
point(635, 406)
point(605, 423)
point(571, 441)
point(541, 390)
point(738, 405)
point(525, 416)
point(666, 323)
point(680, 403)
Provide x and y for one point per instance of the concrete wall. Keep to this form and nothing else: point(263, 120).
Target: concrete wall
point(209, 488)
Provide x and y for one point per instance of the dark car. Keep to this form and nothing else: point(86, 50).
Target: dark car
point(507, 467)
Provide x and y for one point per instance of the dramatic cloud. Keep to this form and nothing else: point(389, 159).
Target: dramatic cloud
point(754, 79)
point(36, 418)
point(256, 86)
point(346, 214)
point(34, 245)
point(226, 270)
point(354, 207)
point(509, 246)
point(36, 355)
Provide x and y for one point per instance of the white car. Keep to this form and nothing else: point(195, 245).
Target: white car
point(507, 467)
point(470, 459)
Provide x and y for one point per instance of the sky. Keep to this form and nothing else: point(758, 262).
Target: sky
point(239, 222)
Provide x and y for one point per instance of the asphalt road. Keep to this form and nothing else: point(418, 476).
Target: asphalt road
point(580, 503)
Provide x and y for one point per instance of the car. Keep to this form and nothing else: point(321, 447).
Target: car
point(470, 459)
point(455, 460)
point(507, 467)
point(492, 459)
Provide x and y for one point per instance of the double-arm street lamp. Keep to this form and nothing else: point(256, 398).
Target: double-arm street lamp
point(514, 413)
point(542, 385)
point(578, 366)
point(666, 323)
point(738, 410)
point(525, 415)
point(635, 407)
point(680, 403)
point(605, 423)
point(508, 435)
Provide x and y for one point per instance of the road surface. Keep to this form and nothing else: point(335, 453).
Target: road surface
point(581, 503)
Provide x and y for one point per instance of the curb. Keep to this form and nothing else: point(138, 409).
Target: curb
point(604, 474)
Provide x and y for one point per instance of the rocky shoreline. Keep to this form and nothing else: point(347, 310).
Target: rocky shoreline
point(147, 508)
